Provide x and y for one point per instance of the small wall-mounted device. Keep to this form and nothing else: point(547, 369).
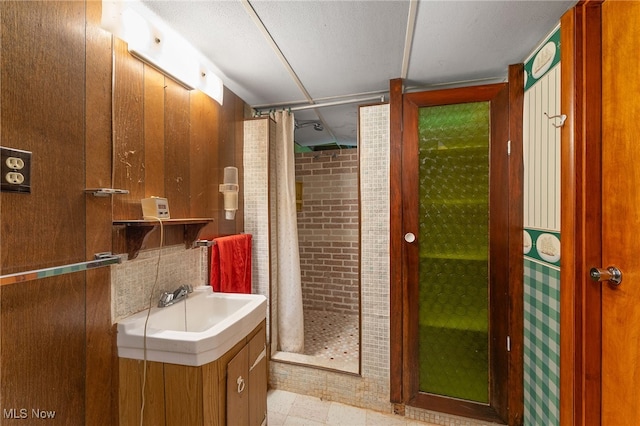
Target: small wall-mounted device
point(230, 191)
point(155, 207)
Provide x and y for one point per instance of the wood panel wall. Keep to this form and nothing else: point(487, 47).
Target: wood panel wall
point(57, 346)
point(42, 94)
point(172, 142)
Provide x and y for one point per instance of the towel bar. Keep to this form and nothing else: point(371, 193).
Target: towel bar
point(101, 259)
point(204, 243)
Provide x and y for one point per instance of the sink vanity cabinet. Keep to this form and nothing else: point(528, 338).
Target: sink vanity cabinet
point(231, 390)
point(246, 384)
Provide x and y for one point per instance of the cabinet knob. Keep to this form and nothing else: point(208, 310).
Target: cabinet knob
point(240, 383)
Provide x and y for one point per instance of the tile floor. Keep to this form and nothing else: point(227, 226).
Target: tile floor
point(331, 340)
point(332, 336)
point(290, 409)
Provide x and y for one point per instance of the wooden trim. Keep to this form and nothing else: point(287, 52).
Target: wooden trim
point(455, 96)
point(580, 309)
point(395, 243)
point(516, 265)
point(457, 407)
point(500, 280)
point(410, 252)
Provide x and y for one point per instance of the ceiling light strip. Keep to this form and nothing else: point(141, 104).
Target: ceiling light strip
point(408, 39)
point(267, 35)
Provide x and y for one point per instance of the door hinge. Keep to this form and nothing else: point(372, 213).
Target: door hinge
point(508, 343)
point(508, 147)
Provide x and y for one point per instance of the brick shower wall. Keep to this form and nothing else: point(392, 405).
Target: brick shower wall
point(328, 229)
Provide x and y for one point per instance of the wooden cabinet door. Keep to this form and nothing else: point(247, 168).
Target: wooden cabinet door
point(238, 389)
point(258, 380)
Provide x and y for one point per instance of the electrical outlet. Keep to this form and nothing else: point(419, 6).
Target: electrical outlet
point(14, 178)
point(15, 163)
point(15, 169)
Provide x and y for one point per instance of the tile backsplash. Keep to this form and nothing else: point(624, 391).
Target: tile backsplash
point(133, 281)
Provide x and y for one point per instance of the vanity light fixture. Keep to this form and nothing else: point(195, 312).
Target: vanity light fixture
point(157, 44)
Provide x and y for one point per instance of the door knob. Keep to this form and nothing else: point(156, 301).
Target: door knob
point(611, 274)
point(409, 237)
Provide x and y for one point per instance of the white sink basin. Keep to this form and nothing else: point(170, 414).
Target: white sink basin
point(194, 331)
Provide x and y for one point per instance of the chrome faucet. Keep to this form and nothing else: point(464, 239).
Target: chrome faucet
point(168, 299)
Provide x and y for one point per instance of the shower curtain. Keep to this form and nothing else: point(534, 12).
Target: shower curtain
point(290, 315)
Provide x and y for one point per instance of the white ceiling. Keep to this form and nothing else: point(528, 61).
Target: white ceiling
point(276, 54)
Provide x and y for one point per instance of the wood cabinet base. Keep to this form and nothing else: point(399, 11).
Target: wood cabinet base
point(183, 395)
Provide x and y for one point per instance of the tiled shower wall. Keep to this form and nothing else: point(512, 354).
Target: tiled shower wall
point(328, 229)
point(542, 235)
point(256, 209)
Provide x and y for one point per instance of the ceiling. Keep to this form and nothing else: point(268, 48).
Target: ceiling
point(331, 53)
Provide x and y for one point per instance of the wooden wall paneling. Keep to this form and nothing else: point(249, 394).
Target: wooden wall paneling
point(154, 134)
point(43, 111)
point(202, 144)
point(128, 133)
point(42, 97)
point(153, 119)
point(213, 201)
point(101, 356)
point(43, 348)
point(227, 156)
point(176, 161)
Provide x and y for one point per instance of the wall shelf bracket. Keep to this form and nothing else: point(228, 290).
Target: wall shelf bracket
point(131, 235)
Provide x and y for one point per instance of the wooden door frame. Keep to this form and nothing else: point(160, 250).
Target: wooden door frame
point(581, 215)
point(402, 379)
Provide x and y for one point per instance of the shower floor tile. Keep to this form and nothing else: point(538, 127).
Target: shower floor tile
point(332, 337)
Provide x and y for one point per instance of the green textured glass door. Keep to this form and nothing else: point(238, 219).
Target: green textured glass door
point(453, 146)
point(460, 317)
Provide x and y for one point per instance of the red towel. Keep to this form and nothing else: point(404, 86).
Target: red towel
point(231, 264)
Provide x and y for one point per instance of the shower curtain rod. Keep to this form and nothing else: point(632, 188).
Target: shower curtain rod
point(322, 105)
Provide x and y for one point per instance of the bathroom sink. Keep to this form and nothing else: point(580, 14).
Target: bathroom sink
point(194, 331)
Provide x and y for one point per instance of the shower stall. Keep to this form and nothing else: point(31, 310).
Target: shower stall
point(328, 238)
